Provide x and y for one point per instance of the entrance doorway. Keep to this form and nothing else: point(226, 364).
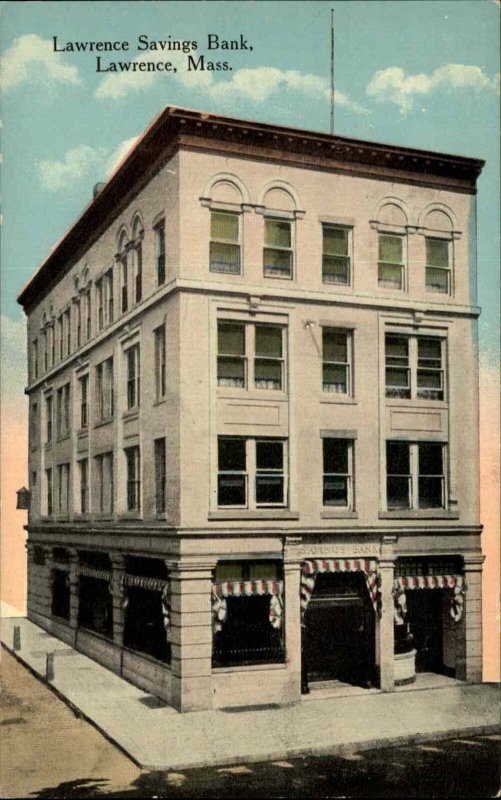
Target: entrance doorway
point(425, 617)
point(339, 631)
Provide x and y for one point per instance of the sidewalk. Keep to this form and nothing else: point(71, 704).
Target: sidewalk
point(156, 736)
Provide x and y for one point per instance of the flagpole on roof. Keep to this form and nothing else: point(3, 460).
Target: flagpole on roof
point(332, 71)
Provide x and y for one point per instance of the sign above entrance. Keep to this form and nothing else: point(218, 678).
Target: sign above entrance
point(340, 550)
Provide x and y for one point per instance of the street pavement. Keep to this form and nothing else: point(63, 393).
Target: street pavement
point(47, 751)
point(157, 737)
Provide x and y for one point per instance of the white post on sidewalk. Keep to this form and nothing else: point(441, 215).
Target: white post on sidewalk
point(49, 667)
point(16, 644)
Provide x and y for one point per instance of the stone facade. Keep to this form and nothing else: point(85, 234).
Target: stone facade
point(245, 317)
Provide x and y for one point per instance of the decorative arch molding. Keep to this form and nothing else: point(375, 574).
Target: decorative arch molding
point(137, 225)
point(448, 226)
point(402, 223)
point(283, 186)
point(86, 279)
point(123, 238)
point(241, 199)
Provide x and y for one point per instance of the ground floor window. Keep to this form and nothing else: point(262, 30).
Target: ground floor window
point(248, 610)
point(95, 606)
point(146, 601)
point(60, 593)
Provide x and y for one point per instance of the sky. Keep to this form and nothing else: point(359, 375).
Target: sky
point(418, 73)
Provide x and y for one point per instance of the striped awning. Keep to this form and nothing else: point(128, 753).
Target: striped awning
point(91, 572)
point(312, 567)
point(248, 588)
point(455, 582)
point(141, 582)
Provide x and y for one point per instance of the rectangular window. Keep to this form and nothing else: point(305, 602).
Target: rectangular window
point(431, 475)
point(63, 488)
point(336, 254)
point(336, 361)
point(78, 322)
point(100, 304)
point(391, 261)
point(104, 466)
point(398, 475)
point(225, 242)
point(430, 372)
point(84, 401)
point(34, 359)
point(67, 323)
point(49, 418)
point(133, 479)
point(160, 363)
point(268, 358)
point(60, 336)
point(133, 383)
point(160, 252)
point(45, 351)
point(48, 482)
point(397, 368)
point(63, 411)
point(34, 426)
point(438, 273)
point(108, 278)
point(125, 278)
point(52, 339)
point(232, 472)
point(414, 367)
point(338, 470)
point(104, 389)
point(83, 467)
point(269, 473)
point(277, 254)
point(138, 272)
point(160, 470)
point(231, 361)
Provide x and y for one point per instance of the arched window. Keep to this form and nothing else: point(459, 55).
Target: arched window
point(278, 203)
point(437, 225)
point(227, 198)
point(391, 224)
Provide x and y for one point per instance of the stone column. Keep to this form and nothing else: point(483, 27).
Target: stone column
point(386, 621)
point(191, 633)
point(74, 576)
point(118, 612)
point(46, 601)
point(469, 644)
point(292, 614)
point(30, 605)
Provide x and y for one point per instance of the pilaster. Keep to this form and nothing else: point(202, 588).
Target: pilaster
point(292, 614)
point(74, 576)
point(469, 653)
point(386, 634)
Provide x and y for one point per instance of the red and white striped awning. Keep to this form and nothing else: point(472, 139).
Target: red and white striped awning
point(456, 582)
point(141, 582)
point(248, 588)
point(313, 566)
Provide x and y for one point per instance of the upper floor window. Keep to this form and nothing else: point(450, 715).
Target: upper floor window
point(124, 273)
point(250, 355)
point(133, 462)
point(49, 495)
point(60, 337)
point(34, 426)
point(67, 330)
point(225, 242)
point(100, 303)
point(414, 367)
point(160, 475)
point(34, 359)
point(63, 488)
point(108, 283)
point(104, 489)
point(48, 418)
point(336, 254)
point(84, 401)
point(391, 261)
point(277, 253)
point(415, 475)
point(83, 468)
point(78, 322)
point(251, 472)
point(104, 389)
point(52, 341)
point(160, 363)
point(338, 472)
point(336, 361)
point(133, 376)
point(160, 252)
point(45, 351)
point(438, 271)
point(63, 411)
point(104, 297)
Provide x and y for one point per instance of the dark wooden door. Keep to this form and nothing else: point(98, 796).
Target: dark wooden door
point(424, 608)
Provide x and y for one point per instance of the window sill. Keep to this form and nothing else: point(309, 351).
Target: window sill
point(345, 287)
point(338, 513)
point(237, 393)
point(83, 433)
point(103, 422)
point(246, 514)
point(48, 445)
point(131, 413)
point(248, 668)
point(331, 398)
point(63, 438)
point(85, 517)
point(421, 513)
point(225, 272)
point(130, 516)
point(417, 402)
point(279, 277)
point(65, 517)
point(160, 402)
point(103, 517)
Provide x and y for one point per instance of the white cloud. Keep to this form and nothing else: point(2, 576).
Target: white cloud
point(13, 357)
point(392, 85)
point(119, 153)
point(257, 84)
point(31, 58)
point(78, 162)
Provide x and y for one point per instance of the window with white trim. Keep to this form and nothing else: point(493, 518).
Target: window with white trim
point(415, 475)
point(160, 475)
point(414, 367)
point(438, 268)
point(83, 469)
point(104, 389)
point(63, 488)
point(338, 472)
point(277, 252)
point(84, 401)
point(63, 411)
point(104, 494)
point(133, 464)
point(160, 252)
point(49, 491)
point(224, 242)
point(252, 473)
point(391, 265)
point(48, 419)
point(336, 361)
point(133, 376)
point(160, 363)
point(336, 254)
point(251, 355)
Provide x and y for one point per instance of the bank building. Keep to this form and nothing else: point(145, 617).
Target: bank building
point(253, 413)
